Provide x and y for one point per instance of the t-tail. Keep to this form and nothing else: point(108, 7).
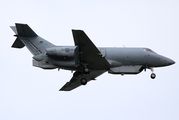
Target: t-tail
point(35, 44)
point(27, 37)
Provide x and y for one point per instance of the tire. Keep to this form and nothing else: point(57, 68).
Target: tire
point(153, 75)
point(86, 70)
point(84, 81)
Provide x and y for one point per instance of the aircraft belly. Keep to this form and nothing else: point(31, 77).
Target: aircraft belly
point(128, 69)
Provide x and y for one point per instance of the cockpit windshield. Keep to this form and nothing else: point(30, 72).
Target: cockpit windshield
point(148, 50)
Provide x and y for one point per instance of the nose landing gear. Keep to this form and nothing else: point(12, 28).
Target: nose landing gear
point(153, 75)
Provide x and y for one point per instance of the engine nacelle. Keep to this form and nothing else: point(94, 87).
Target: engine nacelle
point(61, 51)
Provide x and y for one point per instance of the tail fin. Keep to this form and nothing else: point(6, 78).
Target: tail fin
point(27, 37)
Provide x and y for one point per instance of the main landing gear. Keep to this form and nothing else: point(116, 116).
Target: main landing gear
point(84, 81)
point(86, 70)
point(79, 75)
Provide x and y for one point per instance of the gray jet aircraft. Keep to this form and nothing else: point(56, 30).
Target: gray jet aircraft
point(87, 60)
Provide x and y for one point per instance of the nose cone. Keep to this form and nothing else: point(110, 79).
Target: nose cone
point(166, 61)
point(171, 62)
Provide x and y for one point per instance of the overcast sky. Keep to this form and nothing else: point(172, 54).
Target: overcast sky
point(30, 93)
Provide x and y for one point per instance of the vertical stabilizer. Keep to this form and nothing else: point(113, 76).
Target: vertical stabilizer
point(27, 37)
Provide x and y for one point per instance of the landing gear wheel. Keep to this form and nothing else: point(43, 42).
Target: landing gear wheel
point(83, 81)
point(86, 70)
point(153, 75)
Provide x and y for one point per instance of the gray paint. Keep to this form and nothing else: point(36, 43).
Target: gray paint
point(86, 55)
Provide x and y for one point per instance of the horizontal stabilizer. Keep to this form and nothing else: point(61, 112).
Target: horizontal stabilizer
point(14, 29)
point(18, 44)
point(24, 30)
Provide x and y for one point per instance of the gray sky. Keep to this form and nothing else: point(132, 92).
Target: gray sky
point(30, 93)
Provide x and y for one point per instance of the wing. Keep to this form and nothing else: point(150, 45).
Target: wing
point(76, 79)
point(89, 53)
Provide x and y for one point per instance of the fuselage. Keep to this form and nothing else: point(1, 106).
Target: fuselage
point(116, 56)
point(137, 56)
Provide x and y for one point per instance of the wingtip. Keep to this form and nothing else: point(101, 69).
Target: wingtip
point(77, 30)
point(20, 24)
point(63, 90)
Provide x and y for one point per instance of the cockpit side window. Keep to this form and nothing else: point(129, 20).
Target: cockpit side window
point(148, 50)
